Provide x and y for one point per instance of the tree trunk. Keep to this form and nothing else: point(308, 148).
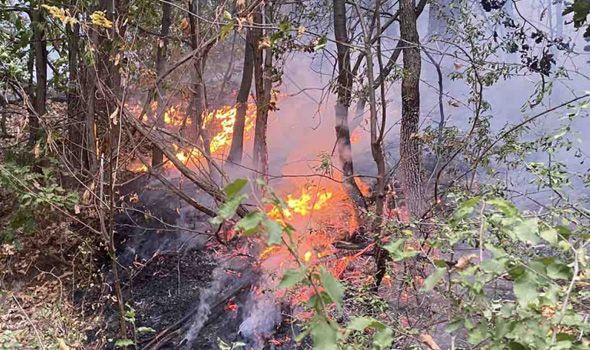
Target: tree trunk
point(76, 148)
point(90, 92)
point(199, 98)
point(237, 145)
point(263, 83)
point(40, 99)
point(410, 148)
point(344, 90)
point(161, 60)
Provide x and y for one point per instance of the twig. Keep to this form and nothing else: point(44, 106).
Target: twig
point(30, 322)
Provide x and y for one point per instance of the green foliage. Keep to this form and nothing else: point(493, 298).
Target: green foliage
point(542, 311)
point(580, 10)
point(383, 337)
point(37, 197)
point(397, 251)
point(8, 341)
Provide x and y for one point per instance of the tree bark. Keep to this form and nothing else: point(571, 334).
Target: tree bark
point(263, 83)
point(410, 148)
point(76, 148)
point(344, 96)
point(161, 60)
point(40, 52)
point(237, 145)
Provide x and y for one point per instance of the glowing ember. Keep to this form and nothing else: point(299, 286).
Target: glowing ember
point(231, 306)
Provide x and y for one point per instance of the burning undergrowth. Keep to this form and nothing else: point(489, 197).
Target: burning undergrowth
point(235, 296)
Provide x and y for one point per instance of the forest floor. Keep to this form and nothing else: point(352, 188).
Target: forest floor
point(48, 293)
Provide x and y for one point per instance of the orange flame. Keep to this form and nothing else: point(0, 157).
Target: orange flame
point(221, 120)
point(303, 204)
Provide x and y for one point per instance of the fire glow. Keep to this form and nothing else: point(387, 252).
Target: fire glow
point(219, 123)
point(303, 204)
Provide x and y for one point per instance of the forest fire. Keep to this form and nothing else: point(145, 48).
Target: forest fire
point(225, 118)
point(219, 123)
point(303, 204)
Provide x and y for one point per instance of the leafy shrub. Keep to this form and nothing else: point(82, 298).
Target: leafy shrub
point(36, 198)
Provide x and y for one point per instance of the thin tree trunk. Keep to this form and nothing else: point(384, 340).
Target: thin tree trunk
point(410, 148)
point(344, 90)
point(237, 145)
point(90, 139)
point(263, 83)
point(40, 98)
point(75, 114)
point(199, 102)
point(380, 254)
point(161, 60)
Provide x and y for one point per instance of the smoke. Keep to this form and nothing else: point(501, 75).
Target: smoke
point(206, 298)
point(262, 315)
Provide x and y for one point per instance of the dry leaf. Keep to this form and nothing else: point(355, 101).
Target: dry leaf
point(264, 43)
point(37, 151)
point(184, 26)
point(113, 116)
point(300, 31)
point(464, 262)
point(429, 341)
point(454, 103)
point(62, 344)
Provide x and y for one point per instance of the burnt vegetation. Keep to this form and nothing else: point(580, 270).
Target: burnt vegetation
point(363, 174)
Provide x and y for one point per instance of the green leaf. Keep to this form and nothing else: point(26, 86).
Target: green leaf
point(233, 188)
point(466, 208)
point(527, 231)
point(559, 271)
point(292, 277)
point(433, 279)
point(525, 288)
point(396, 249)
point(383, 338)
point(332, 286)
point(478, 334)
point(506, 207)
point(492, 266)
point(249, 223)
point(324, 335)
point(225, 30)
point(362, 323)
point(497, 252)
point(145, 330)
point(228, 209)
point(121, 343)
point(274, 231)
point(550, 235)
point(516, 346)
point(322, 42)
point(454, 325)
